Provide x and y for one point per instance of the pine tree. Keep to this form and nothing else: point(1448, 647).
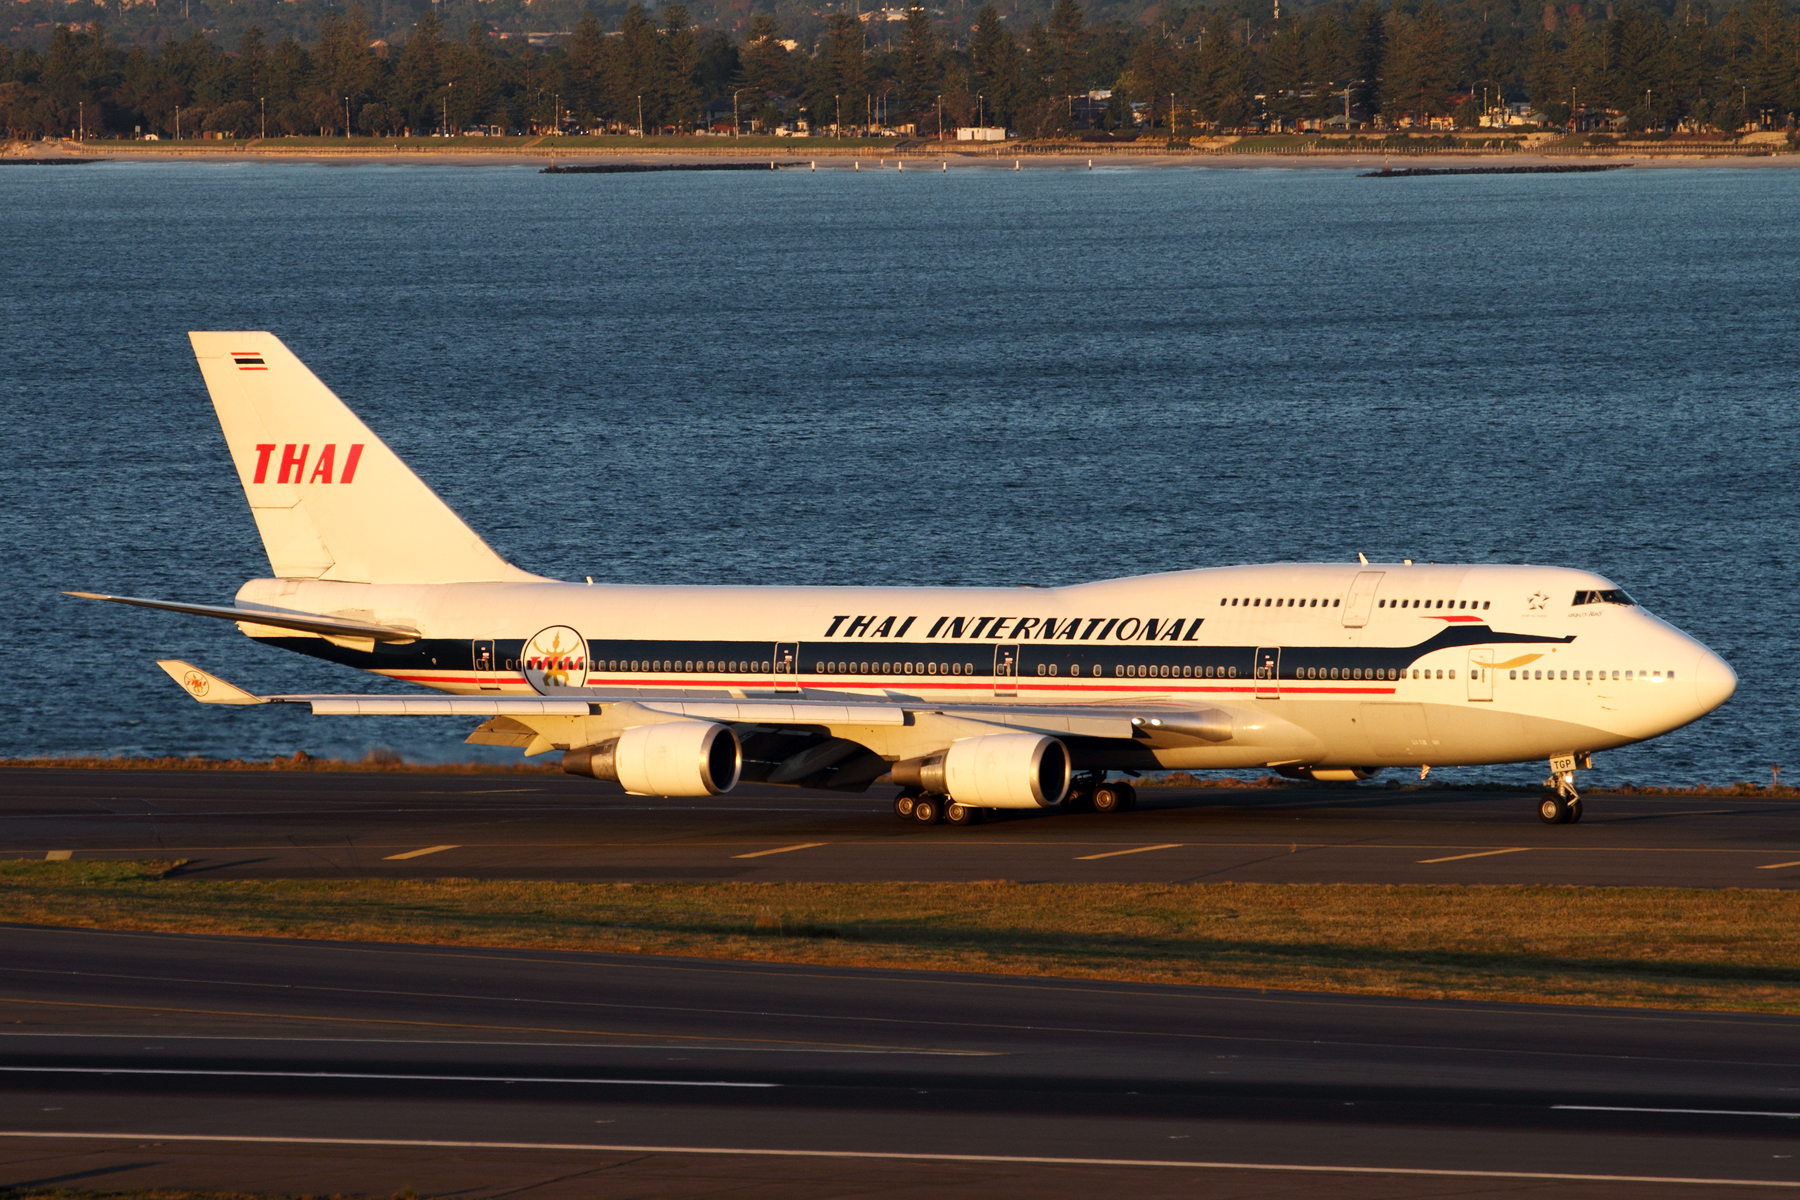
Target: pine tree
point(1068, 39)
point(1368, 37)
point(584, 69)
point(921, 74)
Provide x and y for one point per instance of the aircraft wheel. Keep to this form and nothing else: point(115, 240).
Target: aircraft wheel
point(1112, 797)
point(961, 814)
point(927, 810)
point(1574, 812)
point(903, 807)
point(1553, 809)
point(1130, 797)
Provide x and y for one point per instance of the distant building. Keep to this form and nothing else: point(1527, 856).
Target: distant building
point(981, 133)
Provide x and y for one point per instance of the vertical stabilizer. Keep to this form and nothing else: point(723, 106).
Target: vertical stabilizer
point(330, 499)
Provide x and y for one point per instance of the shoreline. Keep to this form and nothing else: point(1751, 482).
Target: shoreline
point(933, 158)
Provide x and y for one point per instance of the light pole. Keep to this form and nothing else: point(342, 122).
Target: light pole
point(837, 131)
point(737, 123)
point(940, 117)
point(264, 102)
point(980, 110)
point(177, 122)
point(640, 118)
point(346, 118)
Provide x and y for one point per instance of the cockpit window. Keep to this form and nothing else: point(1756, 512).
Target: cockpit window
point(1613, 596)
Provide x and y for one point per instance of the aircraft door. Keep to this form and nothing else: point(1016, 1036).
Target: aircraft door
point(482, 652)
point(1481, 674)
point(1362, 599)
point(787, 666)
point(1006, 670)
point(1268, 672)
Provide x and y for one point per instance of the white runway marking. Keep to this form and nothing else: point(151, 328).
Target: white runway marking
point(897, 1156)
point(1700, 1112)
point(418, 853)
point(780, 850)
point(1777, 866)
point(1477, 854)
point(59, 855)
point(375, 1075)
point(1133, 850)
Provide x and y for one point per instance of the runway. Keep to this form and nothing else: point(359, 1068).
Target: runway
point(137, 1059)
point(254, 824)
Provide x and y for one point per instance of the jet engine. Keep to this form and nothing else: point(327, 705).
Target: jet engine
point(674, 758)
point(1002, 770)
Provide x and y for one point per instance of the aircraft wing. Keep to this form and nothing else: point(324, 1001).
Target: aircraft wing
point(843, 743)
point(1066, 721)
point(329, 627)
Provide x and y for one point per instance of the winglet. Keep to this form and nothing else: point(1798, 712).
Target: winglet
point(204, 686)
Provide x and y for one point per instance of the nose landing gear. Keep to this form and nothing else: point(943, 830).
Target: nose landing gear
point(1562, 804)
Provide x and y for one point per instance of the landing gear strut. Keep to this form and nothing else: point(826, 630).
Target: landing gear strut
point(1562, 804)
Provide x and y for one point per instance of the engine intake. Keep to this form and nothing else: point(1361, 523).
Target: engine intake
point(673, 758)
point(1002, 770)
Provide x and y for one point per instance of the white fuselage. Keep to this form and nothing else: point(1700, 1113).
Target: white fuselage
point(1320, 665)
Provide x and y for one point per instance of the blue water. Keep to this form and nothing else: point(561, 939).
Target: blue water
point(984, 376)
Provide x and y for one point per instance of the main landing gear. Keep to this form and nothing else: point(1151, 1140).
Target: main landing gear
point(1096, 793)
point(930, 808)
point(1087, 793)
point(1562, 804)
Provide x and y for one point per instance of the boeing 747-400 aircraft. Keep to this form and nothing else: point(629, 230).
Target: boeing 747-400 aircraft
point(968, 699)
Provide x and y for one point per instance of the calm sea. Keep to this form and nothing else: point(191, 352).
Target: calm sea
point(984, 376)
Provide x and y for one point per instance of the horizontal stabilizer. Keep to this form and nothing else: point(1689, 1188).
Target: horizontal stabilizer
point(204, 686)
point(301, 622)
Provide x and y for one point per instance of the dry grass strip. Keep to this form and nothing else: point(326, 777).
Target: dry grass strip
point(1656, 947)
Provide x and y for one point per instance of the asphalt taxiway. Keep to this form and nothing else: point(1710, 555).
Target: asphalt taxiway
point(317, 824)
point(136, 1060)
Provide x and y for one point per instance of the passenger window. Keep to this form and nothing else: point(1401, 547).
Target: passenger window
point(1485, 605)
point(1512, 674)
point(1453, 672)
point(1256, 603)
point(1668, 675)
point(1334, 603)
point(1628, 674)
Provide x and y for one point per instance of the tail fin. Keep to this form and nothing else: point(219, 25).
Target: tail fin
point(330, 499)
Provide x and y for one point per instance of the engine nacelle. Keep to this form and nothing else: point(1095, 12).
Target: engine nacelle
point(673, 758)
point(1002, 770)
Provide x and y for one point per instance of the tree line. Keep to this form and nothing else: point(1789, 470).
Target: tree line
point(1191, 71)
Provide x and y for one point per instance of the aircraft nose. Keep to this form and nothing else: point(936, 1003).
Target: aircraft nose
point(1714, 682)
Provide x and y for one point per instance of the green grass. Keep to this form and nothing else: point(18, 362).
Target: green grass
point(1658, 947)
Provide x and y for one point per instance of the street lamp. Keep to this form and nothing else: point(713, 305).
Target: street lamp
point(640, 118)
point(264, 102)
point(837, 131)
point(980, 110)
point(346, 118)
point(737, 123)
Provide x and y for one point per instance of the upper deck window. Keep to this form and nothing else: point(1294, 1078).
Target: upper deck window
point(1614, 596)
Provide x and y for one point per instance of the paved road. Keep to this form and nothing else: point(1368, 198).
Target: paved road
point(334, 825)
point(127, 1058)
